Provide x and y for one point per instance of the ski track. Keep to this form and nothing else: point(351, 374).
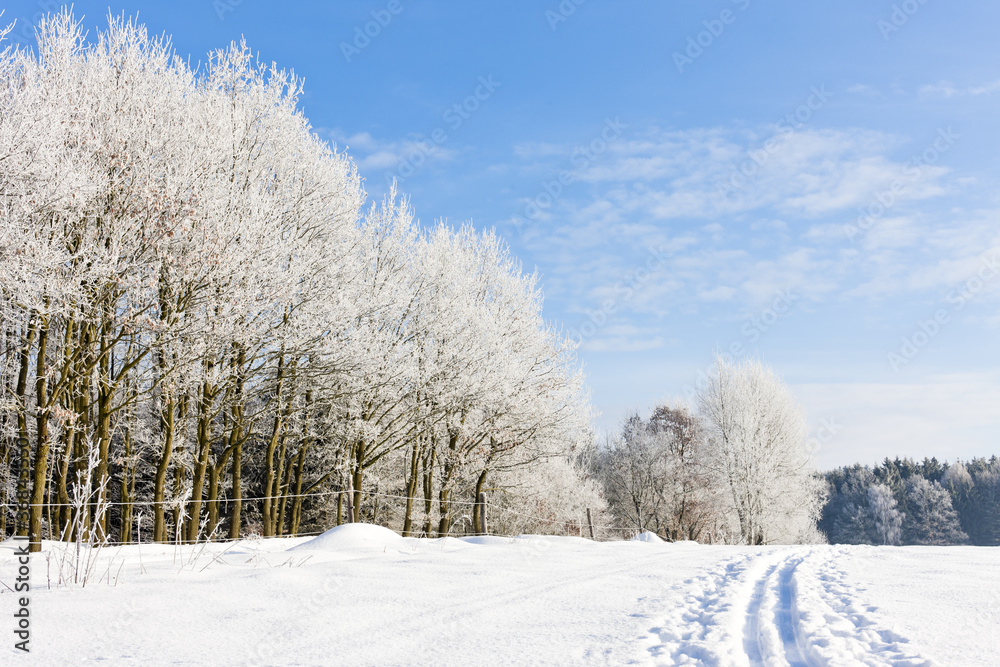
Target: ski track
point(778, 608)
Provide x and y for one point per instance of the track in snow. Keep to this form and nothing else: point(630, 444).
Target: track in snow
point(770, 635)
point(788, 607)
point(787, 616)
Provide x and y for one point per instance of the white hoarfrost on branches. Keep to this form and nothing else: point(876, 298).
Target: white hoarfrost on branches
point(757, 437)
point(194, 296)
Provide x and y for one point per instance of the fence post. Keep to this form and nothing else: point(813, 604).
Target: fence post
point(350, 503)
point(590, 524)
point(482, 514)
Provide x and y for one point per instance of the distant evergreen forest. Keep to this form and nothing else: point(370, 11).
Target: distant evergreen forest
point(902, 501)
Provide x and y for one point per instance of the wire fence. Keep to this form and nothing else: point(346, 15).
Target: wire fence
point(492, 510)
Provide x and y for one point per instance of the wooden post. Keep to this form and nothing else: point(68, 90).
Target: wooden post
point(350, 503)
point(482, 514)
point(590, 524)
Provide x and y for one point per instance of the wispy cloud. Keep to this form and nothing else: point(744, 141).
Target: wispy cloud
point(947, 89)
point(374, 156)
point(730, 250)
point(783, 227)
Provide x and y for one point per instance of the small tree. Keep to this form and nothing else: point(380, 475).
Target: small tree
point(886, 518)
point(655, 478)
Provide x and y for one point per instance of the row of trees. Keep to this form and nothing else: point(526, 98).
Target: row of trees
point(735, 471)
point(905, 502)
point(203, 332)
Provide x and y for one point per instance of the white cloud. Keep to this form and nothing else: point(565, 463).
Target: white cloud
point(378, 155)
point(783, 227)
point(720, 293)
point(947, 89)
point(711, 173)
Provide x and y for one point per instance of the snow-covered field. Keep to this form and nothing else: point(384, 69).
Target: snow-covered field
point(361, 595)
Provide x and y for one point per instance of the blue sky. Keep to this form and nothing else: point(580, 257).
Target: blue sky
point(811, 183)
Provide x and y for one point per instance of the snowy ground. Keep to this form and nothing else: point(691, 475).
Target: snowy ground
point(361, 595)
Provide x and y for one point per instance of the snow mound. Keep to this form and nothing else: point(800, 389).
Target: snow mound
point(353, 536)
point(649, 537)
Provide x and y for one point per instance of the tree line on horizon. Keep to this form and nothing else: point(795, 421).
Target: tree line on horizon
point(902, 502)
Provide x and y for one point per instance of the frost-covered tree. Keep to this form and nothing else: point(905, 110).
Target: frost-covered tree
point(846, 517)
point(886, 518)
point(975, 490)
point(931, 519)
point(193, 298)
point(656, 478)
point(756, 435)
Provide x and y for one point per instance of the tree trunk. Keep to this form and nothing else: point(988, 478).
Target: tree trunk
point(283, 505)
point(214, 472)
point(444, 503)
point(127, 487)
point(269, 472)
point(42, 441)
point(411, 489)
point(178, 535)
point(162, 466)
point(236, 446)
point(280, 480)
point(100, 483)
point(21, 392)
point(236, 515)
point(428, 464)
point(300, 465)
point(359, 475)
point(204, 450)
point(479, 508)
